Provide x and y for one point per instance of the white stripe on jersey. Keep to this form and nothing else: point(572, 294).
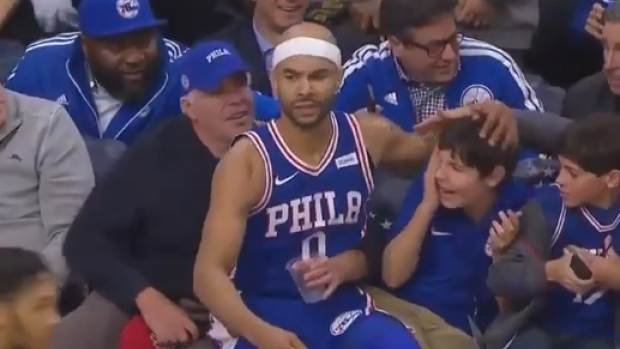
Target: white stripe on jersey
point(362, 152)
point(262, 151)
point(296, 161)
point(473, 47)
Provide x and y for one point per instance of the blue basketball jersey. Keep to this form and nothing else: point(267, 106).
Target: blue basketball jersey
point(591, 314)
point(305, 211)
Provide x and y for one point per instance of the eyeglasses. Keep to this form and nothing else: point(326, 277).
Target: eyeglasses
point(436, 48)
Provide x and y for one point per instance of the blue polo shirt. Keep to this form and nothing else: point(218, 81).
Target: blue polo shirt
point(452, 269)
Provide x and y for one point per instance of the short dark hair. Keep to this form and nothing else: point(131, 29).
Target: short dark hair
point(396, 17)
point(463, 139)
point(18, 268)
point(593, 143)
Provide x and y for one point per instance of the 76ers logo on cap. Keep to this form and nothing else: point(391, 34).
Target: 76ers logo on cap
point(128, 9)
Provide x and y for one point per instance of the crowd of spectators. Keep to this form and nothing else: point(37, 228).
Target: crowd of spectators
point(114, 115)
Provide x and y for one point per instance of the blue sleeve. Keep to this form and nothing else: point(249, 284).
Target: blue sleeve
point(175, 50)
point(411, 202)
point(517, 92)
point(25, 77)
point(354, 91)
point(266, 108)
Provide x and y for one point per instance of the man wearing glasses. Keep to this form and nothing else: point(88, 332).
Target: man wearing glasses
point(426, 65)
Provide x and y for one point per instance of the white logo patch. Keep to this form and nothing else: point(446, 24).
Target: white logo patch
point(128, 9)
point(476, 94)
point(342, 322)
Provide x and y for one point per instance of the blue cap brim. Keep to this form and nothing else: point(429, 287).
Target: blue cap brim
point(221, 77)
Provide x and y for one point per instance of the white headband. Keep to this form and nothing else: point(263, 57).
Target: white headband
point(302, 46)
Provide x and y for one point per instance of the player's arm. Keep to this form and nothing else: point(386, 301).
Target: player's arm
point(235, 189)
point(390, 147)
point(354, 91)
point(521, 272)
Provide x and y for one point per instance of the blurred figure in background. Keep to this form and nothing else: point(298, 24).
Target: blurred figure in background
point(28, 300)
point(599, 92)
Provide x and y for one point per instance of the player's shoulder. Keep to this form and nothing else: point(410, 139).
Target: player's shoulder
point(473, 51)
point(56, 47)
point(367, 54)
point(248, 147)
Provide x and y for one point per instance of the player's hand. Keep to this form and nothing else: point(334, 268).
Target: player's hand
point(475, 13)
point(168, 322)
point(503, 232)
point(604, 268)
point(324, 273)
point(365, 14)
point(500, 125)
point(431, 194)
point(562, 273)
point(594, 24)
point(277, 338)
point(434, 125)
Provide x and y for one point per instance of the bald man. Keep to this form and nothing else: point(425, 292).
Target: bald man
point(289, 211)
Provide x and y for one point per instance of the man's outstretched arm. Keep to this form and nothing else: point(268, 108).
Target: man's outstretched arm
point(232, 197)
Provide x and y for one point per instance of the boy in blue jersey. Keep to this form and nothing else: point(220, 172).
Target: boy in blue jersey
point(568, 245)
point(296, 190)
point(440, 244)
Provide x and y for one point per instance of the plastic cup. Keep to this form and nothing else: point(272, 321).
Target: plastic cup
point(298, 267)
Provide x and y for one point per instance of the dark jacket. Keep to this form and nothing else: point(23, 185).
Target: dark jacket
point(241, 35)
point(520, 277)
point(588, 96)
point(141, 225)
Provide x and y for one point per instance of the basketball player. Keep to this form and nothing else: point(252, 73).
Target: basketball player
point(292, 194)
point(28, 300)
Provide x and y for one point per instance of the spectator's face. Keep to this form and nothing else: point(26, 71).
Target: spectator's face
point(32, 315)
point(577, 186)
point(306, 88)
point(461, 186)
point(126, 65)
point(430, 53)
point(225, 112)
point(611, 43)
point(281, 14)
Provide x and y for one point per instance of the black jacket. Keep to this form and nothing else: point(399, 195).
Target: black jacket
point(589, 96)
point(141, 225)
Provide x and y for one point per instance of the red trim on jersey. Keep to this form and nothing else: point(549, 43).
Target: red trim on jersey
point(296, 161)
point(362, 152)
point(262, 151)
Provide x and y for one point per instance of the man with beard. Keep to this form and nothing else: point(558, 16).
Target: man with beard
point(136, 238)
point(28, 300)
point(115, 77)
point(289, 212)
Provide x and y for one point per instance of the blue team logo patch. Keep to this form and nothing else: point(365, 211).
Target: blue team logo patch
point(476, 94)
point(342, 322)
point(128, 9)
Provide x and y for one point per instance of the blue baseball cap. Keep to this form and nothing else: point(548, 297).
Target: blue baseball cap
point(205, 66)
point(102, 18)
